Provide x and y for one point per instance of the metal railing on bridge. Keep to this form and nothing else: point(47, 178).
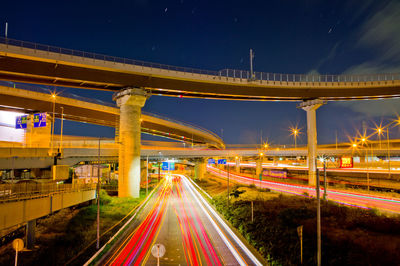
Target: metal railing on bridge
point(30, 190)
point(229, 73)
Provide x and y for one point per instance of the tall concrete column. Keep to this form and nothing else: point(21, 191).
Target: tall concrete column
point(130, 102)
point(310, 107)
point(200, 169)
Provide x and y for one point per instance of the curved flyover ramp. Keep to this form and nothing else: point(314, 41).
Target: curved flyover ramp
point(30, 99)
point(42, 64)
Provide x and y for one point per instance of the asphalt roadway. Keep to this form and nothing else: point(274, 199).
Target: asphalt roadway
point(179, 218)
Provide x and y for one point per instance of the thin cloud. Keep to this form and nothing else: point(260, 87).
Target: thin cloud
point(380, 33)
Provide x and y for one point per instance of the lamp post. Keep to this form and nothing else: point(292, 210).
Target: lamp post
point(318, 217)
point(379, 131)
point(388, 150)
point(364, 141)
point(53, 95)
point(227, 164)
point(294, 132)
point(62, 126)
point(98, 198)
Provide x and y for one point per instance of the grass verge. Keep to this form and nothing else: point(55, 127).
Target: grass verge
point(350, 236)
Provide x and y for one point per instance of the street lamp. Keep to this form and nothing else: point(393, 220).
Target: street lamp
point(294, 132)
point(62, 125)
point(379, 131)
point(53, 96)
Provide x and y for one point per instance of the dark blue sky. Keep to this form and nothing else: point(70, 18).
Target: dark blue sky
point(287, 36)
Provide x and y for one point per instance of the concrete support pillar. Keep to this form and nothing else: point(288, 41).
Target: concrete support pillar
point(200, 169)
point(259, 167)
point(310, 107)
point(30, 234)
point(130, 102)
point(237, 165)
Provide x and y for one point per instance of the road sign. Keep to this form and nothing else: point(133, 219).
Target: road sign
point(39, 120)
point(211, 161)
point(158, 250)
point(21, 122)
point(168, 166)
point(18, 244)
point(221, 161)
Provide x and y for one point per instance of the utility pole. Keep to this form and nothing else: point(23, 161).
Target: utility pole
point(147, 175)
point(251, 64)
point(388, 151)
point(325, 179)
point(336, 141)
point(98, 198)
point(6, 32)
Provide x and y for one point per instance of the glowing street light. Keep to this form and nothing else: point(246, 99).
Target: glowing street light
point(294, 132)
point(379, 131)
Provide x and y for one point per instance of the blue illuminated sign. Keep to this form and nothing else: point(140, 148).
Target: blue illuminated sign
point(168, 166)
point(21, 122)
point(39, 120)
point(222, 161)
point(211, 161)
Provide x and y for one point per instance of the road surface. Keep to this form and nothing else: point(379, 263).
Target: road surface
point(183, 221)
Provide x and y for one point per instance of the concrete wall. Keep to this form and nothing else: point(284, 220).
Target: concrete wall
point(20, 212)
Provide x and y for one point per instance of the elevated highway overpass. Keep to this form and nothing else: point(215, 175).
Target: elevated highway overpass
point(75, 151)
point(133, 81)
point(30, 99)
point(43, 64)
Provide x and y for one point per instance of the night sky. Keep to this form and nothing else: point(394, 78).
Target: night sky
point(326, 37)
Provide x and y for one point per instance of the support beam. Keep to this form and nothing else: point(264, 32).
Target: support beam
point(130, 101)
point(310, 107)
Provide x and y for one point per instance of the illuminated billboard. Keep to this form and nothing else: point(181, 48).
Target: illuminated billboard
point(39, 120)
point(346, 162)
point(21, 122)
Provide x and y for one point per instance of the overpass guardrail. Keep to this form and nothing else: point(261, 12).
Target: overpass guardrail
point(230, 73)
point(32, 190)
